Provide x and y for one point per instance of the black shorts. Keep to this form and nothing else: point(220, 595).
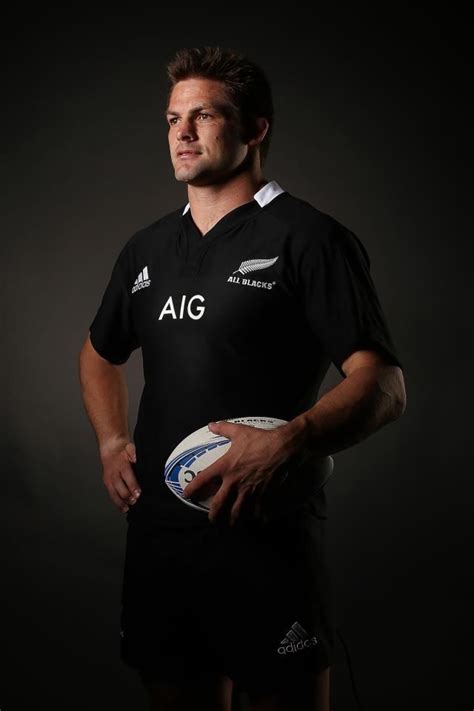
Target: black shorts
point(253, 601)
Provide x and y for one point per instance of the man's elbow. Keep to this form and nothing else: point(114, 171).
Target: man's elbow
point(398, 393)
point(399, 407)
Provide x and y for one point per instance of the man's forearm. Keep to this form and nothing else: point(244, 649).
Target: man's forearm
point(355, 408)
point(105, 396)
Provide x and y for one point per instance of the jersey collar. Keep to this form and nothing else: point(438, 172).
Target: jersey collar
point(263, 196)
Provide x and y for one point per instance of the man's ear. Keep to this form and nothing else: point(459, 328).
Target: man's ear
point(260, 129)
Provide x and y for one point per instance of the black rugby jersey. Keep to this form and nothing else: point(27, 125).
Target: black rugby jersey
point(244, 320)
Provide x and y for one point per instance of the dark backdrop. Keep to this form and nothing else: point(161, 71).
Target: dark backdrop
point(369, 114)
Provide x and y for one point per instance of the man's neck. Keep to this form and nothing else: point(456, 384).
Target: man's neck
point(209, 203)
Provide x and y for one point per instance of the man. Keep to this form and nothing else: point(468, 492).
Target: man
point(240, 300)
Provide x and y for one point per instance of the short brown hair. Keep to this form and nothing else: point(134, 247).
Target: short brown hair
point(247, 86)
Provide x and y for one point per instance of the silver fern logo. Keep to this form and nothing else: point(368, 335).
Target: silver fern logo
point(252, 265)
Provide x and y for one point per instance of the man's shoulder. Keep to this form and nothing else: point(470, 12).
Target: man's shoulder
point(323, 231)
point(306, 221)
point(299, 213)
point(313, 229)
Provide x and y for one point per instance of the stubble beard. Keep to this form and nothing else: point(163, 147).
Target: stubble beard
point(185, 174)
point(201, 175)
point(207, 174)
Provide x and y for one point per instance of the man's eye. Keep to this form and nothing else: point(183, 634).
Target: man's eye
point(204, 115)
point(172, 120)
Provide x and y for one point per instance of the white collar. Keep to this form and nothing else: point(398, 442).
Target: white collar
point(263, 196)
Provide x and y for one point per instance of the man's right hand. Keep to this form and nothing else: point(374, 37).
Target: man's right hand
point(118, 474)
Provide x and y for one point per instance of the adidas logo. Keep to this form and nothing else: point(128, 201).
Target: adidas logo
point(142, 280)
point(296, 639)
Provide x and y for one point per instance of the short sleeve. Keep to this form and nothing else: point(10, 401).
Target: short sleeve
point(340, 299)
point(111, 332)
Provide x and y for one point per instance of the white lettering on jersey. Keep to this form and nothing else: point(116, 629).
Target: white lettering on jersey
point(253, 265)
point(252, 282)
point(169, 309)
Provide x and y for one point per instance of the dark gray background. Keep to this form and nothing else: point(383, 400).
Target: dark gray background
point(368, 129)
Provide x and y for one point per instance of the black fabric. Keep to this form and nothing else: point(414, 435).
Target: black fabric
point(339, 297)
point(186, 607)
point(221, 341)
point(112, 328)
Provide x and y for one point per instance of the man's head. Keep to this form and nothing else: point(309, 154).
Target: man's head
point(219, 106)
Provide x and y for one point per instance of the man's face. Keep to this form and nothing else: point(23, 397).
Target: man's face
point(204, 135)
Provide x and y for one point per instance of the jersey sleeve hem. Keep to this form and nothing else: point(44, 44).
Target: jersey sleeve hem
point(103, 352)
point(367, 344)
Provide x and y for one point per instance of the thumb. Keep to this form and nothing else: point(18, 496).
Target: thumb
point(225, 428)
point(130, 449)
point(218, 427)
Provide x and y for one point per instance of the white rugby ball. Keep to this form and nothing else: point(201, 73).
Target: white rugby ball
point(198, 451)
point(203, 447)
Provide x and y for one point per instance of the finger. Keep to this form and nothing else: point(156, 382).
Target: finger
point(119, 485)
point(130, 480)
point(267, 489)
point(256, 500)
point(131, 451)
point(204, 477)
point(237, 509)
point(219, 502)
point(208, 490)
point(117, 499)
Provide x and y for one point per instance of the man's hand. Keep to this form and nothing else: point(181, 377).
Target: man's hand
point(118, 475)
point(246, 469)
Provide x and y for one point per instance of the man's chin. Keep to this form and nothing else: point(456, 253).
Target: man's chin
point(202, 179)
point(183, 177)
point(193, 179)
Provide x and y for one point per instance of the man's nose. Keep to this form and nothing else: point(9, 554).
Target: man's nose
point(186, 130)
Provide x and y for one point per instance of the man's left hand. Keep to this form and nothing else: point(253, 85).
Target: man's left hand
point(246, 469)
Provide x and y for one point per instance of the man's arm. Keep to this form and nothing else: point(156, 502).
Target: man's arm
point(372, 395)
point(105, 395)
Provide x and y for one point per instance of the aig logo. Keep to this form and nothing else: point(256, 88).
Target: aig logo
point(190, 309)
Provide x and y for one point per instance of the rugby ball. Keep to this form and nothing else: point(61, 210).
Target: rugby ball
point(198, 451)
point(202, 448)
